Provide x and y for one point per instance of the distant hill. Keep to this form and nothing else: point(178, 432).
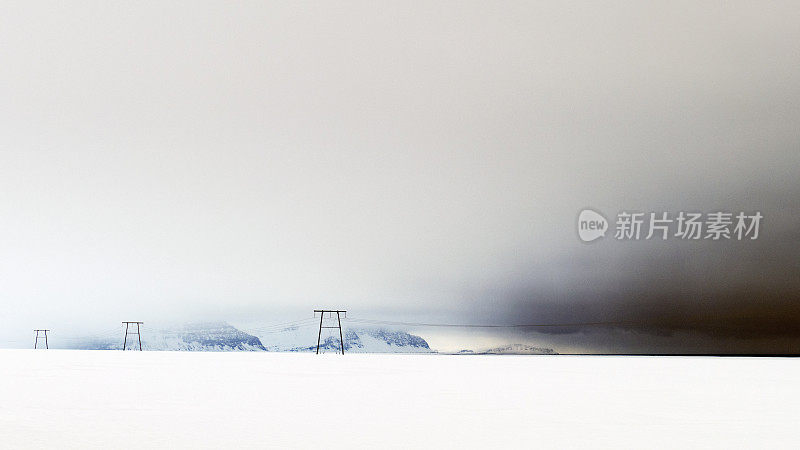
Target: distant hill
point(517, 349)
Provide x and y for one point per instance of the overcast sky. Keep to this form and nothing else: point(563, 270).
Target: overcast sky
point(412, 161)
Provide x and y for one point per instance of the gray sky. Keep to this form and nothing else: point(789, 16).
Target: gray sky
point(171, 160)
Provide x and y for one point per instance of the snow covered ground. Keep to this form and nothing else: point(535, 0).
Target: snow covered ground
point(114, 399)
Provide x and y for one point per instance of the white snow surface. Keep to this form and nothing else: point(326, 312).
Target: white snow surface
point(141, 400)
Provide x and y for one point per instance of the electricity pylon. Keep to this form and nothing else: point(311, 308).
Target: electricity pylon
point(138, 333)
point(36, 342)
point(339, 324)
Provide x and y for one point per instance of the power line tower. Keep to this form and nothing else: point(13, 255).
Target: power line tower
point(330, 313)
point(138, 334)
point(36, 342)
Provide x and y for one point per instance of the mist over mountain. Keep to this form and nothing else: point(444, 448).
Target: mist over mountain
point(221, 336)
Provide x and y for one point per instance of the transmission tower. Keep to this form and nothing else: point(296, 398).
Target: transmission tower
point(330, 313)
point(36, 342)
point(138, 334)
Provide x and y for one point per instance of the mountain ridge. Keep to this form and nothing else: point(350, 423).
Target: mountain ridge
point(221, 336)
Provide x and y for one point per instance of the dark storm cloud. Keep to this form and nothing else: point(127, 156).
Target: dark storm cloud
point(746, 290)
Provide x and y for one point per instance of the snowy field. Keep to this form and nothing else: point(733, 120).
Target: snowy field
point(113, 399)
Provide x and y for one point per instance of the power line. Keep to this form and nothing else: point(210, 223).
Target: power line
point(138, 334)
point(36, 341)
point(282, 330)
point(465, 325)
point(282, 326)
point(339, 313)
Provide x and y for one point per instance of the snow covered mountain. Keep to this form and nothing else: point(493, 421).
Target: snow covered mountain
point(206, 336)
point(356, 340)
point(214, 336)
point(221, 336)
